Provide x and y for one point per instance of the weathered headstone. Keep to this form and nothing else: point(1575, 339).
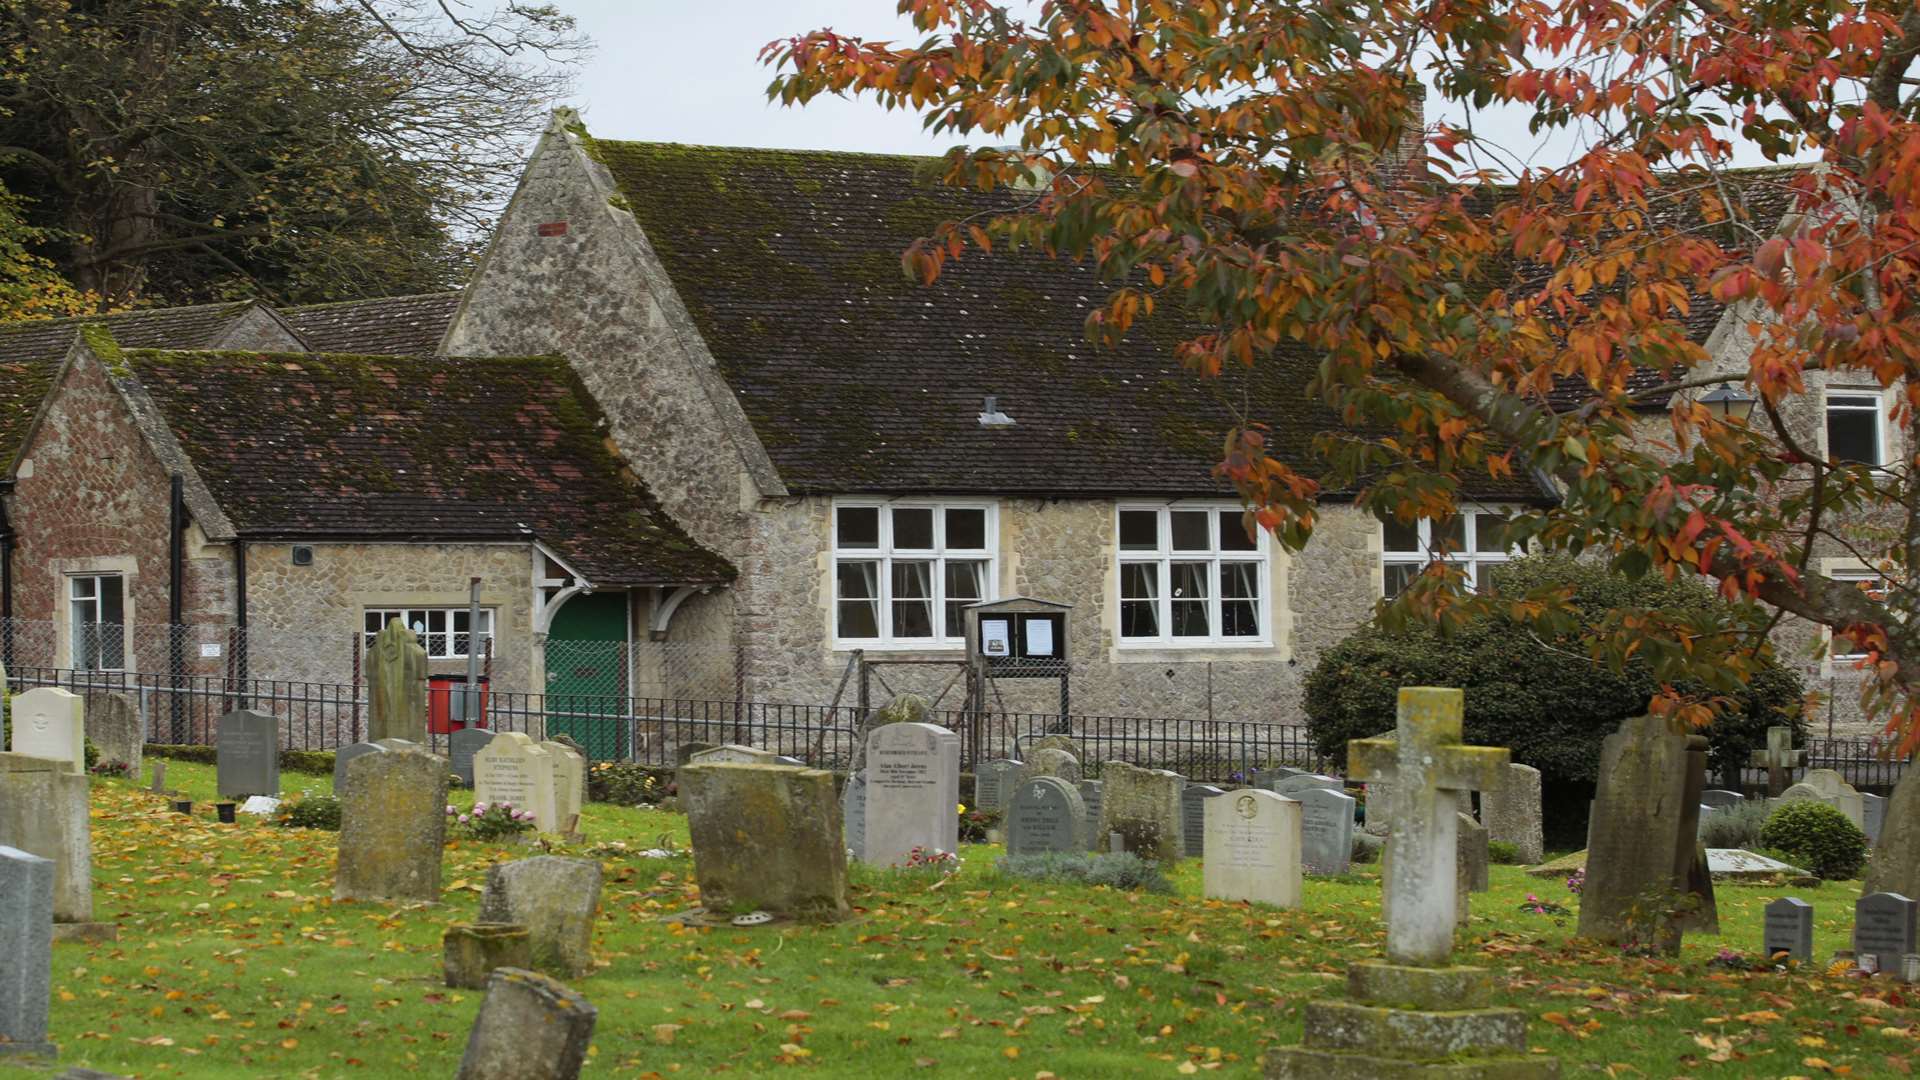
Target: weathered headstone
point(393, 826)
point(733, 754)
point(1642, 840)
point(1047, 761)
point(1266, 778)
point(1874, 811)
point(515, 769)
point(1379, 809)
point(1471, 874)
point(469, 952)
point(1144, 807)
point(116, 728)
point(853, 812)
point(1090, 797)
point(1193, 817)
point(1512, 813)
point(768, 837)
point(990, 782)
point(530, 1027)
point(1895, 866)
point(569, 782)
point(159, 785)
point(1779, 759)
point(1883, 926)
point(44, 812)
point(913, 791)
point(556, 899)
point(397, 685)
point(1720, 798)
point(1326, 830)
point(1833, 789)
point(1252, 848)
point(345, 755)
point(1292, 785)
point(1055, 741)
point(1789, 929)
point(247, 754)
point(1046, 815)
point(50, 723)
point(461, 746)
point(26, 953)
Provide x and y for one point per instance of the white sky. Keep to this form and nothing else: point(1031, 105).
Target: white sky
point(688, 71)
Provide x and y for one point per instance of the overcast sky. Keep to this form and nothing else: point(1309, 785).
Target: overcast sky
point(688, 71)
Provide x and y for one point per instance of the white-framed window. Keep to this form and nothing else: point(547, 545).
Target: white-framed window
point(442, 631)
point(1190, 575)
point(1856, 427)
point(1840, 647)
point(97, 619)
point(1473, 540)
point(905, 571)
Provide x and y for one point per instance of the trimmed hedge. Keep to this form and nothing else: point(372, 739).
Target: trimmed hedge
point(310, 762)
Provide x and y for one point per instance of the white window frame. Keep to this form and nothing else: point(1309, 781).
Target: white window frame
point(1164, 556)
point(1858, 397)
point(885, 553)
point(1469, 558)
point(1853, 574)
point(420, 620)
point(77, 638)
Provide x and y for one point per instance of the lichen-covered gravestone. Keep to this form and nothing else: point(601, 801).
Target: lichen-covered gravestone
point(913, 792)
point(530, 1027)
point(515, 769)
point(766, 837)
point(731, 754)
point(556, 899)
point(345, 755)
point(853, 814)
point(397, 686)
point(26, 953)
point(393, 826)
point(462, 745)
point(44, 811)
point(1512, 813)
point(247, 754)
point(1045, 815)
point(1143, 806)
point(1252, 849)
point(469, 952)
point(115, 726)
point(1895, 866)
point(50, 723)
point(1642, 843)
point(1047, 761)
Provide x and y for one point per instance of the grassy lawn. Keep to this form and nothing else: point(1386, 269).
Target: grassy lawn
point(234, 962)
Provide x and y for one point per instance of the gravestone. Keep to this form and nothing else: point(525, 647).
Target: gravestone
point(515, 769)
point(116, 728)
point(461, 746)
point(247, 754)
point(1047, 761)
point(1266, 778)
point(26, 953)
point(1895, 866)
point(1143, 806)
point(1720, 798)
point(1252, 849)
point(1471, 874)
point(1874, 810)
point(1292, 785)
point(1883, 926)
point(393, 826)
point(1834, 790)
point(1055, 742)
point(990, 782)
point(1512, 813)
point(1737, 864)
point(345, 755)
point(768, 837)
point(44, 812)
point(569, 783)
point(733, 754)
point(853, 811)
point(530, 1027)
point(683, 753)
point(1090, 798)
point(1411, 1015)
point(1789, 929)
point(1326, 830)
point(1642, 839)
point(1379, 809)
point(469, 952)
point(50, 723)
point(1046, 815)
point(556, 899)
point(1193, 817)
point(397, 686)
point(1779, 759)
point(159, 785)
point(913, 791)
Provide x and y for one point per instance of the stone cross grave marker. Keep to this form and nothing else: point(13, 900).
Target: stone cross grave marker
point(515, 769)
point(990, 781)
point(1643, 836)
point(569, 783)
point(1428, 765)
point(1193, 817)
point(1789, 929)
point(26, 953)
point(1779, 759)
point(1326, 830)
point(1883, 927)
point(1512, 814)
point(1874, 809)
point(50, 723)
point(913, 791)
point(247, 754)
point(1046, 814)
point(397, 685)
point(461, 746)
point(345, 755)
point(1090, 797)
point(393, 828)
point(1253, 848)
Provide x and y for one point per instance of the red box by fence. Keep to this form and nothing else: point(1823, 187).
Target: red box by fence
point(440, 690)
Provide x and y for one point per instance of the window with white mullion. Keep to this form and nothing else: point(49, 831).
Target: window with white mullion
point(1190, 574)
point(1841, 647)
point(1473, 540)
point(904, 573)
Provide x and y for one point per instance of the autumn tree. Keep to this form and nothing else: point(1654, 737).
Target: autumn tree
point(1241, 164)
point(30, 287)
point(303, 150)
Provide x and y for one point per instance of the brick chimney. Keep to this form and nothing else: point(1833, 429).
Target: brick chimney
point(1406, 159)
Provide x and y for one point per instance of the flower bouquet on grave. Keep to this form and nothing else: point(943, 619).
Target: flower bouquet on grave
point(1536, 906)
point(933, 862)
point(489, 822)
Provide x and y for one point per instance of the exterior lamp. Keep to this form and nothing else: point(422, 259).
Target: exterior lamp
point(1728, 403)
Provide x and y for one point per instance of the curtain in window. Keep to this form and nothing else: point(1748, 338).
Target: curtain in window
point(1189, 589)
point(912, 599)
point(859, 603)
point(966, 584)
point(1139, 600)
point(1239, 599)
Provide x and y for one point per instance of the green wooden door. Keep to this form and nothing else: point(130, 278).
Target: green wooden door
point(587, 674)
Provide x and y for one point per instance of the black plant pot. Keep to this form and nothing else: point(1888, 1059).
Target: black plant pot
point(183, 806)
point(225, 809)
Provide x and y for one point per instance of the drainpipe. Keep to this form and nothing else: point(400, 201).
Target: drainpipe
point(240, 613)
point(6, 582)
point(176, 601)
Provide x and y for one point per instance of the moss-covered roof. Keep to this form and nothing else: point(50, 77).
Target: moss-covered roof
point(434, 448)
point(394, 325)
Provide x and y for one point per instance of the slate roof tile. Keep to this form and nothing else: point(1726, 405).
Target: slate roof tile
point(395, 325)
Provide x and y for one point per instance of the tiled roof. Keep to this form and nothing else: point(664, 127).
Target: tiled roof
point(858, 380)
point(324, 445)
point(396, 325)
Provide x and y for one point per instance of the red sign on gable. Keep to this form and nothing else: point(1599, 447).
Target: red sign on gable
point(553, 228)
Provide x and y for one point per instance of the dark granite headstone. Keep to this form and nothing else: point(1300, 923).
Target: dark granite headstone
point(1193, 816)
point(461, 746)
point(247, 754)
point(1045, 814)
point(990, 780)
point(1883, 925)
point(1789, 928)
point(1326, 830)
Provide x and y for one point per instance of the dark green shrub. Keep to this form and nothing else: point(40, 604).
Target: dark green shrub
point(310, 810)
point(626, 784)
point(1819, 838)
point(1539, 696)
point(1503, 853)
point(310, 762)
point(92, 753)
point(1121, 870)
